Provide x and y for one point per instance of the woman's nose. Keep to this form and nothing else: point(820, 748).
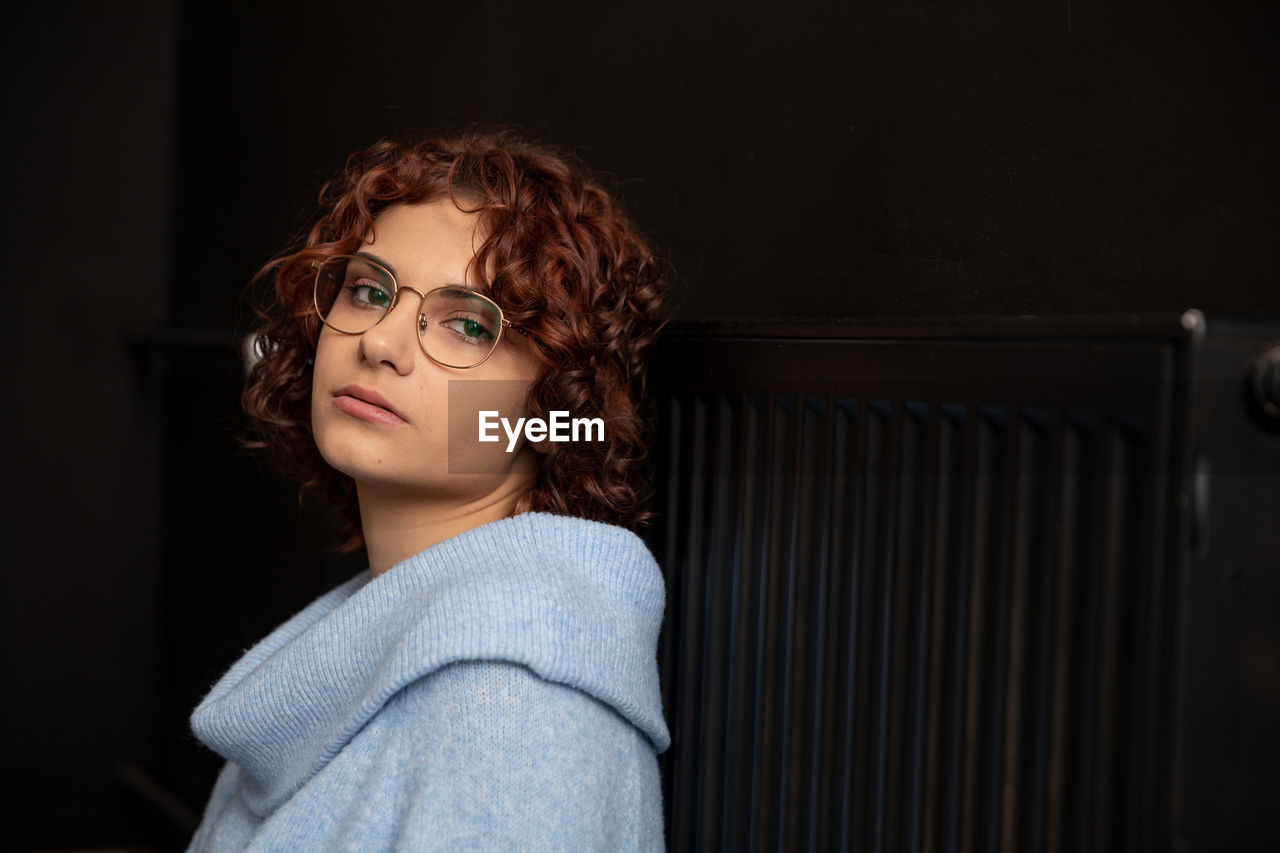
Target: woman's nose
point(393, 340)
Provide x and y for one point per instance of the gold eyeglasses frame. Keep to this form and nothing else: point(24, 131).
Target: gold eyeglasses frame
point(423, 322)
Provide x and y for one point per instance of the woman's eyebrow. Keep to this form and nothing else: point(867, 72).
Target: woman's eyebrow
point(453, 294)
point(377, 260)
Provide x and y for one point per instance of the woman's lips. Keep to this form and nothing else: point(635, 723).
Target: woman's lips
point(367, 405)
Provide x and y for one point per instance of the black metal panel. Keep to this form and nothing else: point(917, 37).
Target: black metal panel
point(922, 589)
point(1227, 777)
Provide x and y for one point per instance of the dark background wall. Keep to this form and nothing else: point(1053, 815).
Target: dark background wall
point(877, 160)
point(89, 148)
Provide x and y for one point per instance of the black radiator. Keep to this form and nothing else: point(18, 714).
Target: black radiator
point(927, 585)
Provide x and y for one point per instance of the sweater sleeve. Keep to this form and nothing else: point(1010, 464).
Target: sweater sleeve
point(486, 755)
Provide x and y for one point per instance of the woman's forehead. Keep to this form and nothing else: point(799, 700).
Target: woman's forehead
point(432, 243)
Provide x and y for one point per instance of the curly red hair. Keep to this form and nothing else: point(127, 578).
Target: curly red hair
point(563, 261)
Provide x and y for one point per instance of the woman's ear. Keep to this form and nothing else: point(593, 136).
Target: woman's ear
point(541, 446)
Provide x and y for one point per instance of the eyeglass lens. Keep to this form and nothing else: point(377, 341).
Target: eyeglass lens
point(457, 326)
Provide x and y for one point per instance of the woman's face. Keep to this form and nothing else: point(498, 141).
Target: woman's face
point(380, 409)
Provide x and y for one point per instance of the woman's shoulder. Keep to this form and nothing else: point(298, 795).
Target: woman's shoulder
point(491, 750)
point(576, 602)
point(468, 701)
point(537, 546)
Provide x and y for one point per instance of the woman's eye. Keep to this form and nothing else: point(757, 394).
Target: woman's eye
point(469, 328)
point(369, 295)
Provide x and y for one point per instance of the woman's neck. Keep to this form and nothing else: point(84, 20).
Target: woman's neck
point(398, 524)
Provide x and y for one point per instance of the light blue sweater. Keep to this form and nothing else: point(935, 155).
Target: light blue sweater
point(497, 691)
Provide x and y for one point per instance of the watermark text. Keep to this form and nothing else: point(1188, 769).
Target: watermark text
point(560, 427)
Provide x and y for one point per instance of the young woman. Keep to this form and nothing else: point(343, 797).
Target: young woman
point(490, 681)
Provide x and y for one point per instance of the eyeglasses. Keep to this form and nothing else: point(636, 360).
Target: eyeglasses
point(457, 327)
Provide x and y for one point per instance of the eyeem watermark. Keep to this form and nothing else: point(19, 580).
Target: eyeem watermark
point(489, 424)
point(559, 428)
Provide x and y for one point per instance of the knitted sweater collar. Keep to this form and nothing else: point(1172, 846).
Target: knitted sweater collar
point(578, 602)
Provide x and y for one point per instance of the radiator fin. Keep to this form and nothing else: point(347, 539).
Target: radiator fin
point(908, 625)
